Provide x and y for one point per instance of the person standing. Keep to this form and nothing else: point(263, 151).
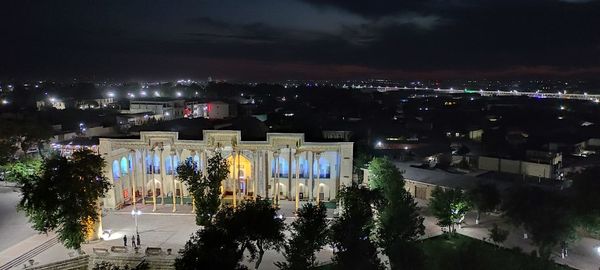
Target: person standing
point(138, 239)
point(125, 240)
point(133, 241)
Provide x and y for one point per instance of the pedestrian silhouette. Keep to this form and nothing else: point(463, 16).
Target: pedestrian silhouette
point(125, 240)
point(138, 239)
point(133, 241)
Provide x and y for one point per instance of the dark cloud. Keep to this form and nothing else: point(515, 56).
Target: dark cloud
point(300, 38)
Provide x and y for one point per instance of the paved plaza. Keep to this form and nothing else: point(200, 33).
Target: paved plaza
point(170, 230)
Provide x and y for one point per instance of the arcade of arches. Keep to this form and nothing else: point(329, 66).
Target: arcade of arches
point(144, 170)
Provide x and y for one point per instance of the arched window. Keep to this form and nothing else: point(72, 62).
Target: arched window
point(156, 164)
point(303, 168)
point(176, 162)
point(124, 166)
point(197, 162)
point(325, 169)
point(283, 167)
point(116, 170)
point(148, 164)
point(168, 165)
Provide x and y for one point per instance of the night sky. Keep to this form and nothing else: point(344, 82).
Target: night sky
point(294, 39)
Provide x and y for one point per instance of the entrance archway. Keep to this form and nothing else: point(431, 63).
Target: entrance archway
point(149, 187)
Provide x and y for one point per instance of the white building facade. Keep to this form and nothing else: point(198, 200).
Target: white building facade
point(284, 166)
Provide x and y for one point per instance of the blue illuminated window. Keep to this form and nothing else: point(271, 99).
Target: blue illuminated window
point(168, 165)
point(124, 166)
point(116, 170)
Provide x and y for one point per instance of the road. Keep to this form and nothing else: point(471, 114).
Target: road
point(14, 226)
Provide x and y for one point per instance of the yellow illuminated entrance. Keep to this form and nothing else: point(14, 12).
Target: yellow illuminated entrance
point(240, 168)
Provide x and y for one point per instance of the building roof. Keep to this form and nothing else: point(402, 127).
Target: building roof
point(436, 177)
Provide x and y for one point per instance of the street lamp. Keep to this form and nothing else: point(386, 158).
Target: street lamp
point(135, 213)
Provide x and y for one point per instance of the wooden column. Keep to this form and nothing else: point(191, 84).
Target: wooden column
point(276, 179)
point(144, 175)
point(173, 168)
point(153, 152)
point(297, 184)
point(162, 176)
point(132, 176)
point(318, 157)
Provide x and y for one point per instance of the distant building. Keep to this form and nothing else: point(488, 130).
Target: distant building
point(163, 108)
point(50, 103)
point(94, 103)
point(209, 110)
point(538, 164)
point(343, 135)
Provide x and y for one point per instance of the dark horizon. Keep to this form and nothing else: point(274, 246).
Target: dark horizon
point(300, 39)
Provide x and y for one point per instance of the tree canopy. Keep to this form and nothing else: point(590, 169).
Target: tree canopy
point(64, 196)
point(449, 206)
point(204, 188)
point(252, 227)
point(484, 198)
point(351, 231)
point(399, 224)
point(308, 235)
point(544, 213)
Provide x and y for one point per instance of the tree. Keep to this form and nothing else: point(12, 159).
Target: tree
point(485, 198)
point(204, 189)
point(351, 231)
point(211, 248)
point(399, 222)
point(449, 207)
point(544, 213)
point(21, 169)
point(308, 235)
point(260, 227)
point(64, 196)
point(585, 201)
point(251, 227)
point(498, 235)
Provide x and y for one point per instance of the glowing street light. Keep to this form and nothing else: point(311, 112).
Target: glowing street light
point(179, 94)
point(135, 213)
point(143, 93)
point(111, 94)
point(156, 94)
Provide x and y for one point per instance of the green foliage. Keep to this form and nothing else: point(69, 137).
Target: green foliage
point(498, 235)
point(449, 206)
point(399, 222)
point(463, 253)
point(64, 196)
point(308, 235)
point(384, 175)
point(204, 189)
point(585, 201)
point(544, 213)
point(22, 169)
point(351, 231)
point(210, 248)
point(251, 227)
point(260, 228)
point(484, 197)
point(21, 134)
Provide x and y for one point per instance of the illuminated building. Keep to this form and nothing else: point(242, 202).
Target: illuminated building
point(277, 168)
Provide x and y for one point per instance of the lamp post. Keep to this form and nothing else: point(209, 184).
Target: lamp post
point(135, 213)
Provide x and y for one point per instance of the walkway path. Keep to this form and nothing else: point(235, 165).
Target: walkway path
point(166, 229)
